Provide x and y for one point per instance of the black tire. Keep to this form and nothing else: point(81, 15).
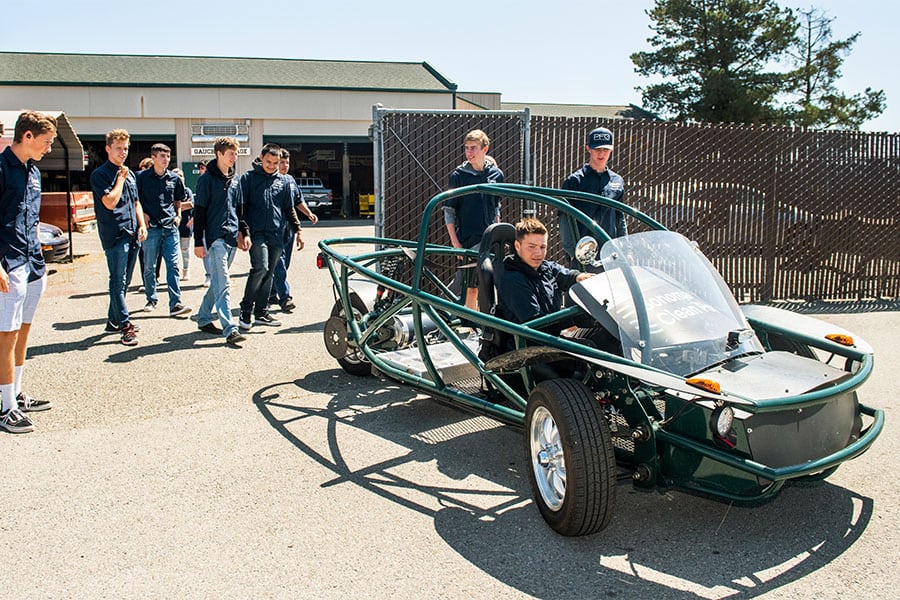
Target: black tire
point(355, 364)
point(564, 417)
point(780, 342)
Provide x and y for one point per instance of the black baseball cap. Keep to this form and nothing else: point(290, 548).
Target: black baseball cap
point(600, 138)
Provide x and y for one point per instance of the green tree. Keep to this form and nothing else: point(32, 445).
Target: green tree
point(717, 58)
point(817, 60)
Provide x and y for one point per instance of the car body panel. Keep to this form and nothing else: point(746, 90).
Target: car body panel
point(54, 243)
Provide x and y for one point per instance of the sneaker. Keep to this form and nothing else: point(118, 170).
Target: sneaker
point(15, 422)
point(267, 319)
point(287, 305)
point(234, 339)
point(186, 276)
point(113, 328)
point(210, 328)
point(29, 404)
point(140, 289)
point(179, 309)
point(206, 281)
point(129, 335)
point(244, 321)
point(150, 306)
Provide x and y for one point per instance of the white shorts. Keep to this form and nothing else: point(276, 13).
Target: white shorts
point(19, 304)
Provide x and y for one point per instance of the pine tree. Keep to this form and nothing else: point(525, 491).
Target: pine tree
point(816, 101)
point(718, 59)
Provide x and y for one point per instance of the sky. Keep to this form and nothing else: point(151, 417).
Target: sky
point(569, 51)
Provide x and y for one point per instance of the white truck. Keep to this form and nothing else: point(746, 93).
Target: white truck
point(317, 196)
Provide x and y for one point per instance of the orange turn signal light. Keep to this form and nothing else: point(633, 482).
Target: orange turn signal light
point(840, 338)
point(705, 384)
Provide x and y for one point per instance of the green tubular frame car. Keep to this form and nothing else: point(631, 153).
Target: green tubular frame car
point(657, 373)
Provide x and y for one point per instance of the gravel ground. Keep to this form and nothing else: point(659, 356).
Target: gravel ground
point(185, 468)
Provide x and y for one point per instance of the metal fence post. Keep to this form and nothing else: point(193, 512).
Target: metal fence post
point(378, 165)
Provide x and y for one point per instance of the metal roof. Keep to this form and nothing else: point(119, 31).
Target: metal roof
point(66, 139)
point(24, 68)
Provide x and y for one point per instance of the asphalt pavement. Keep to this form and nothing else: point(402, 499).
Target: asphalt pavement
point(185, 468)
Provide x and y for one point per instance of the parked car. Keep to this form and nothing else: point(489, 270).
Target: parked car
point(318, 197)
point(54, 207)
point(658, 374)
point(54, 243)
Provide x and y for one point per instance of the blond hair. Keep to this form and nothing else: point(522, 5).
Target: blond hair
point(117, 135)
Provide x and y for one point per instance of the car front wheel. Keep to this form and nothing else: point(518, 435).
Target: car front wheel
point(569, 450)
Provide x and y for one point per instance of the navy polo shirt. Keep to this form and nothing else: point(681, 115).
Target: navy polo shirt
point(158, 195)
point(121, 221)
point(608, 184)
point(20, 208)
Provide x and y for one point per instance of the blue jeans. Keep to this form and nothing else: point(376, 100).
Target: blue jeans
point(218, 296)
point(120, 259)
point(281, 289)
point(165, 240)
point(263, 258)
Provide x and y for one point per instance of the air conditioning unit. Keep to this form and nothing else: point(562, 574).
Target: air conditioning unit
point(208, 132)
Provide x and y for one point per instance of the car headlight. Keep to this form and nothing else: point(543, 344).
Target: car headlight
point(720, 423)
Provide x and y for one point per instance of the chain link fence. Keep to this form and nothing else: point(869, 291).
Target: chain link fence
point(782, 213)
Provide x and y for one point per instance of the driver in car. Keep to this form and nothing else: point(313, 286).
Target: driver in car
point(532, 286)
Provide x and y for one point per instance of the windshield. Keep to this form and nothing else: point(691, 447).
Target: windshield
point(672, 309)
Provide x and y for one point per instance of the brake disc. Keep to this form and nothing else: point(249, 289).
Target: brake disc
point(336, 337)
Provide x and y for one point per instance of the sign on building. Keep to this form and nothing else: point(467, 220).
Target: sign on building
point(210, 151)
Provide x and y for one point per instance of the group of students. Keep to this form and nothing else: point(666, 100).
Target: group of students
point(255, 212)
point(532, 286)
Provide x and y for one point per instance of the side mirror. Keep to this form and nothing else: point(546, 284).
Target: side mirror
point(586, 250)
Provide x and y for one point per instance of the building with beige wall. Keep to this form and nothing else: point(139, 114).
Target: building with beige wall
point(320, 110)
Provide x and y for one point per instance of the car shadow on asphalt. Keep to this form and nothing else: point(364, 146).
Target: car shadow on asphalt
point(665, 545)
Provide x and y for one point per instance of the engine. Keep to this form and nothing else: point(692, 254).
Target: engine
point(400, 331)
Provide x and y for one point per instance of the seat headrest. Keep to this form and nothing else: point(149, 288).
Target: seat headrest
point(495, 235)
point(493, 243)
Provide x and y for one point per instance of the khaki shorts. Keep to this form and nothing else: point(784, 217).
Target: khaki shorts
point(19, 304)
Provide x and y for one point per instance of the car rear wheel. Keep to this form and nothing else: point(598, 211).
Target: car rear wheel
point(569, 450)
point(354, 361)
